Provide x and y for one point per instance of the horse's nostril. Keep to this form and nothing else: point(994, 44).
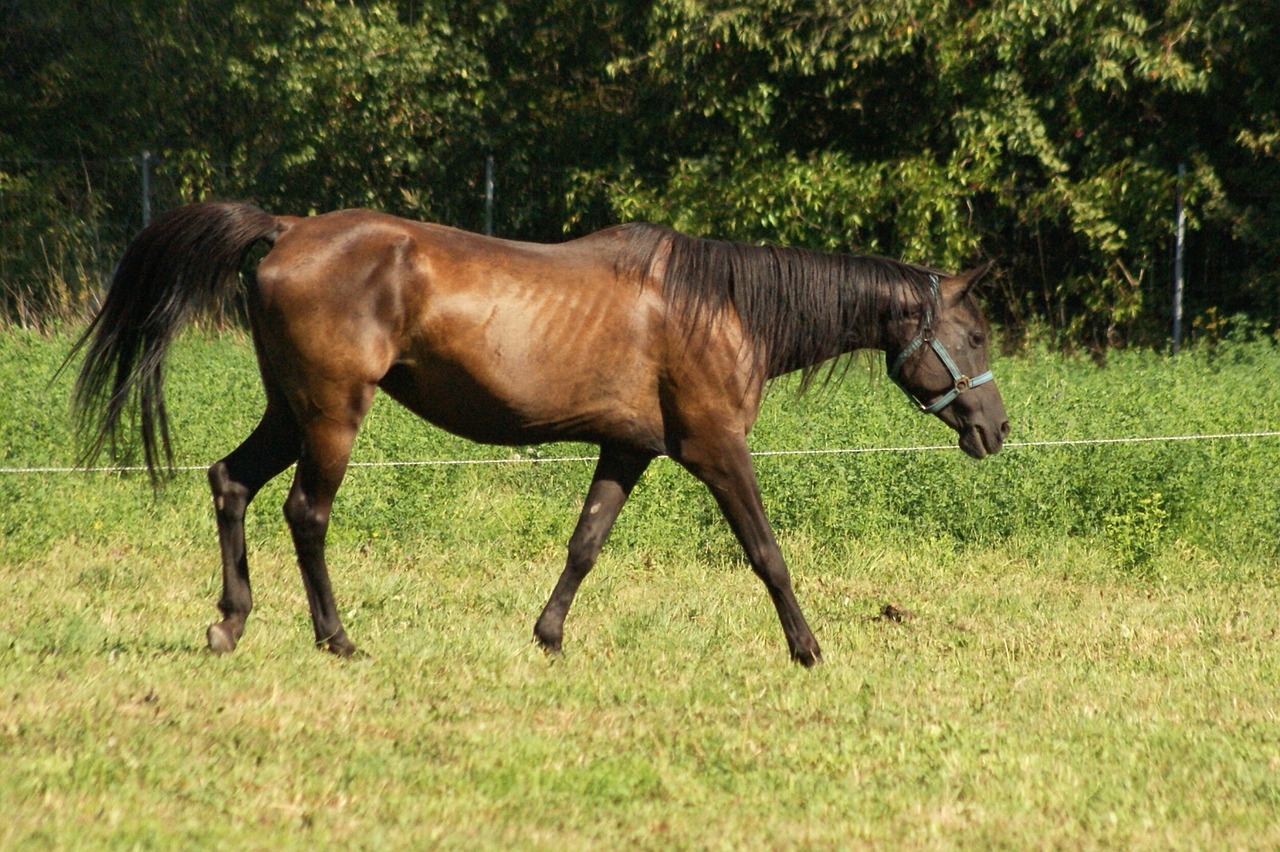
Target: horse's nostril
point(1004, 430)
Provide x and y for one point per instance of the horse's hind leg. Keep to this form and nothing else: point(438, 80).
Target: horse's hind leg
point(327, 442)
point(616, 474)
point(725, 467)
point(271, 447)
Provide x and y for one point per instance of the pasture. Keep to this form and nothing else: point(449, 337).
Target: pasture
point(1080, 645)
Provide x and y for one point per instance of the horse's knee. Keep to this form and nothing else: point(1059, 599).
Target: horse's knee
point(301, 512)
point(305, 521)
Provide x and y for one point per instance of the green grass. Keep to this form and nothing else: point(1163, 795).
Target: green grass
point(1091, 658)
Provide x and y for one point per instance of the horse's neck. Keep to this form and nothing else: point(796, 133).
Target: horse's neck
point(892, 305)
point(881, 308)
point(870, 332)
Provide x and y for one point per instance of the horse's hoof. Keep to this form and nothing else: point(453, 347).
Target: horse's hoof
point(340, 646)
point(549, 644)
point(807, 657)
point(220, 639)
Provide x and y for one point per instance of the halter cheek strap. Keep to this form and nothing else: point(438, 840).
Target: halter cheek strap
point(926, 337)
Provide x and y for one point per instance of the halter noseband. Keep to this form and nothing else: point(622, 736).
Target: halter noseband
point(961, 382)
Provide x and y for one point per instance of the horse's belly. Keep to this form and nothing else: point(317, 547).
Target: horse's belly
point(520, 409)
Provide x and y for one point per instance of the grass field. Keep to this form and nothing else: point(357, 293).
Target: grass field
point(1089, 655)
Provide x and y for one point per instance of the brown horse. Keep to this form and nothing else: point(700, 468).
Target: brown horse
point(636, 338)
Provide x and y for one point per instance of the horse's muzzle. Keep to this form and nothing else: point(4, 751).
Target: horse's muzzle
point(979, 441)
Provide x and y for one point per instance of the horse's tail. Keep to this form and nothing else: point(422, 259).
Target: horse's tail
point(187, 260)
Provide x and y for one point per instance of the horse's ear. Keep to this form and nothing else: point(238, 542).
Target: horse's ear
point(961, 284)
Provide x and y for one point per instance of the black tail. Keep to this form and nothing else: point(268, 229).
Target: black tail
point(185, 261)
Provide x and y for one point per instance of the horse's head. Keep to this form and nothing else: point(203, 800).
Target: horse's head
point(938, 355)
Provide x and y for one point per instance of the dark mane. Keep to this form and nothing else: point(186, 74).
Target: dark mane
point(800, 308)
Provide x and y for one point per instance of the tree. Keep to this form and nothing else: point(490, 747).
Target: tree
point(351, 105)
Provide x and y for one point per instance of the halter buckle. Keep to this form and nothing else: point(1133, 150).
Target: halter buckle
point(962, 384)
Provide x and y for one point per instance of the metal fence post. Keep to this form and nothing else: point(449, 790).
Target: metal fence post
point(146, 188)
point(1178, 246)
point(488, 196)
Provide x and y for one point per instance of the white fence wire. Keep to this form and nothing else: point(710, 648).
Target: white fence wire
point(832, 451)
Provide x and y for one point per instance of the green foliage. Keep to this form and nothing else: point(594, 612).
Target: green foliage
point(1136, 534)
point(336, 72)
point(51, 263)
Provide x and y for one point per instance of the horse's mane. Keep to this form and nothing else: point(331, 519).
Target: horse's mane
point(800, 308)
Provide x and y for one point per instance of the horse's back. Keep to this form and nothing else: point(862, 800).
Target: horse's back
point(533, 342)
point(496, 340)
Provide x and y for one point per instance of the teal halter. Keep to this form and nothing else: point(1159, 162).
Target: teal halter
point(926, 336)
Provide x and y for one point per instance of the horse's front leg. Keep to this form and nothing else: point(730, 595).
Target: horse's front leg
point(724, 465)
point(616, 474)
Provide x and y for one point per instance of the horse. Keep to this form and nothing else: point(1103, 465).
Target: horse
point(636, 338)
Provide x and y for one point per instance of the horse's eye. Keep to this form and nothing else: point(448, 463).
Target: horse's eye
point(978, 339)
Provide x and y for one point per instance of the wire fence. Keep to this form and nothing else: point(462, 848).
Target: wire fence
point(831, 451)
